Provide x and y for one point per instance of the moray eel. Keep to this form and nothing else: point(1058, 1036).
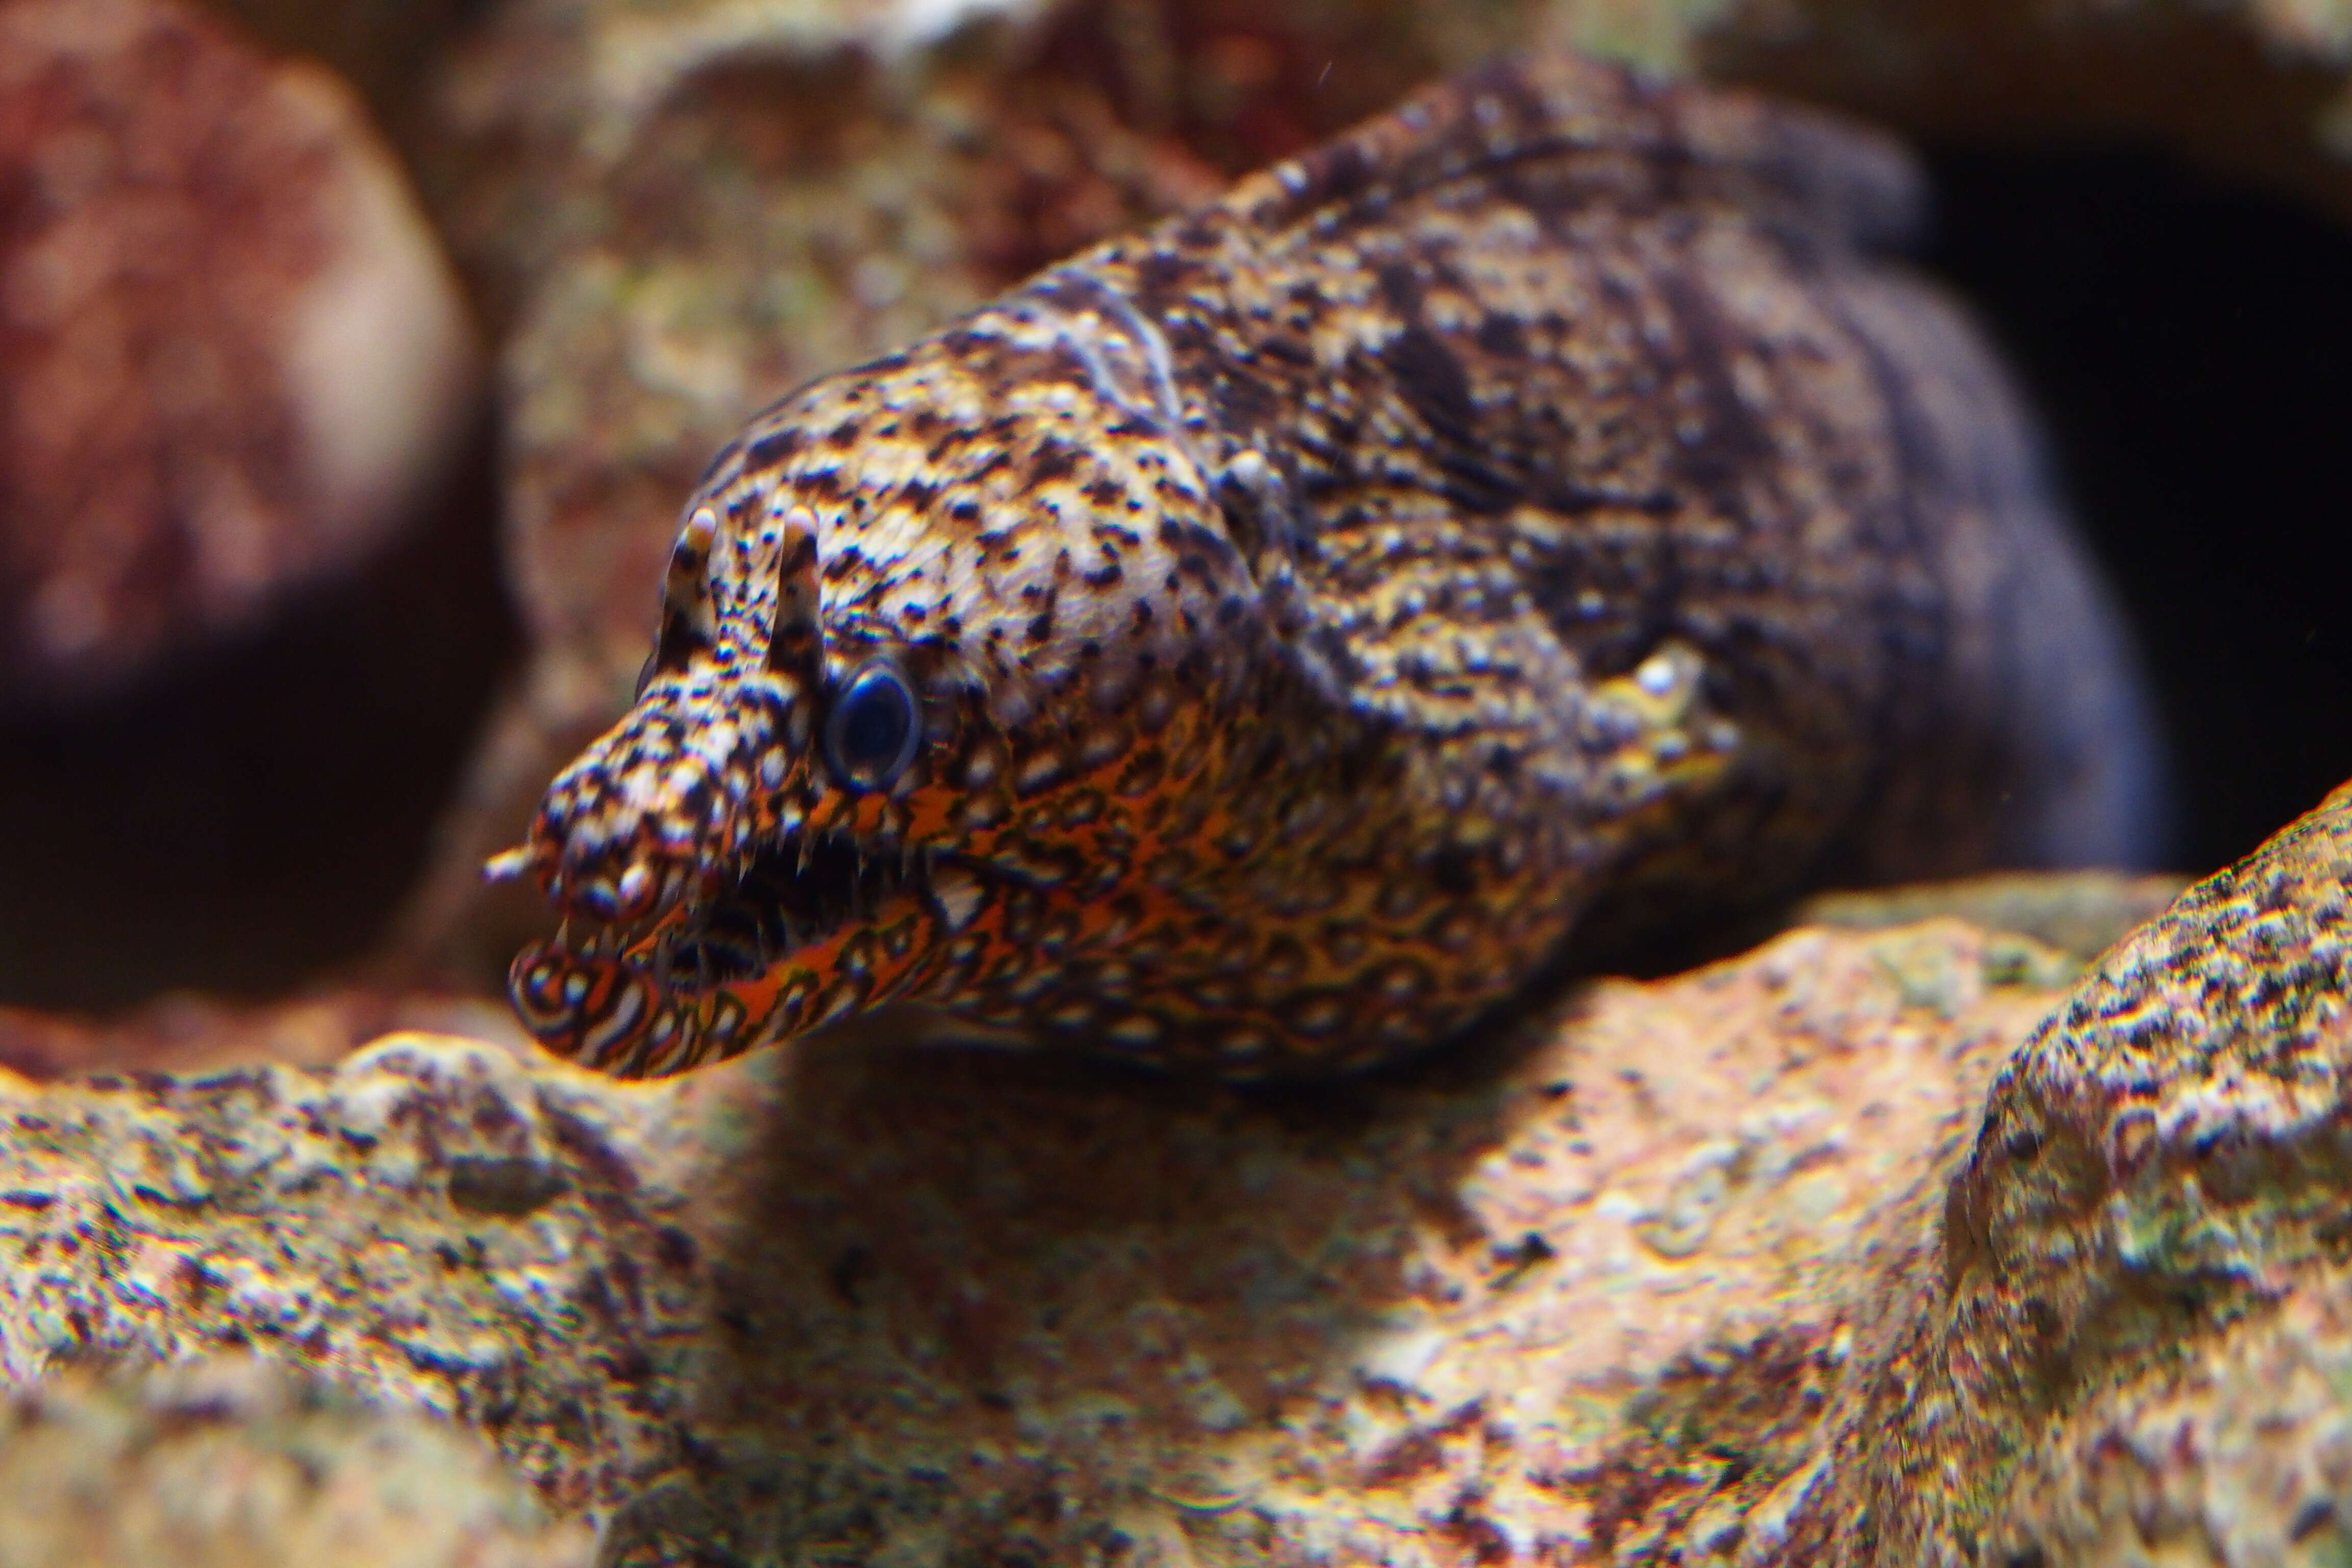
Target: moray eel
point(1254, 644)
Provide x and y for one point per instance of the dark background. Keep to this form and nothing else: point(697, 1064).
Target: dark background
point(2190, 346)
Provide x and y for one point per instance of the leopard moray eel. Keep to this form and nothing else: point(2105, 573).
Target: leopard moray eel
point(1253, 644)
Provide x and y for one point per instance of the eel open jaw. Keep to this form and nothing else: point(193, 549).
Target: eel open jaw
point(788, 896)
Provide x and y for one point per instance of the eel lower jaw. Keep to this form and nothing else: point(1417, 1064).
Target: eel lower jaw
point(788, 896)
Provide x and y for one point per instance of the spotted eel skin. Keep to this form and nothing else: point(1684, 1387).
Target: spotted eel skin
point(1254, 645)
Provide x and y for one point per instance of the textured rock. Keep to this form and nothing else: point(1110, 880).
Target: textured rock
point(2153, 1211)
point(190, 1033)
point(233, 1462)
point(233, 358)
point(1703, 1270)
point(935, 1305)
point(2239, 1451)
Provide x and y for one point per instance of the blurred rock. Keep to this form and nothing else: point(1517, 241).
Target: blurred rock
point(232, 361)
point(2079, 913)
point(187, 1032)
point(233, 1462)
point(2258, 90)
point(382, 47)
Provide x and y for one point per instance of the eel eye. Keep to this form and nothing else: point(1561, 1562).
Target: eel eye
point(875, 727)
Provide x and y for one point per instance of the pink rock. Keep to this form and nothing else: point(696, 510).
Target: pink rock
point(231, 357)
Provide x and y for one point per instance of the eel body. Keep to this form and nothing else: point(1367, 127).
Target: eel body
point(1256, 643)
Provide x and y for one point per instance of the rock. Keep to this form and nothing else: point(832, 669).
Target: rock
point(233, 1461)
point(187, 1032)
point(2260, 90)
point(2129, 1322)
point(234, 358)
point(2241, 1451)
point(382, 47)
point(1726, 1268)
point(858, 1299)
point(2079, 913)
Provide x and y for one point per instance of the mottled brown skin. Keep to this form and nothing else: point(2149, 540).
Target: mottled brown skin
point(1533, 501)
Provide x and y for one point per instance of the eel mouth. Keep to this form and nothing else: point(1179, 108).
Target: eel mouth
point(792, 894)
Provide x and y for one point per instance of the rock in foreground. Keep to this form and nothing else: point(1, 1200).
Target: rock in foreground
point(1707, 1270)
point(233, 1463)
point(866, 1298)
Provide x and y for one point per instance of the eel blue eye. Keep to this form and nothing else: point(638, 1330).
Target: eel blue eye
point(875, 727)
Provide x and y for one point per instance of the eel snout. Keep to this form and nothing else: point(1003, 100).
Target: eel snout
point(660, 807)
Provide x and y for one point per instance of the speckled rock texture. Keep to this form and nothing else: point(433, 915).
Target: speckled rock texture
point(232, 356)
point(861, 1301)
point(235, 1462)
point(2130, 1321)
point(1739, 1266)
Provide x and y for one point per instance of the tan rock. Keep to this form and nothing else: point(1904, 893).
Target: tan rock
point(235, 360)
point(186, 1032)
point(2152, 1211)
point(233, 1462)
point(865, 1299)
point(1723, 1268)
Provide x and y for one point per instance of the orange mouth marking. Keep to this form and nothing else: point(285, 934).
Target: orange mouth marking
point(812, 929)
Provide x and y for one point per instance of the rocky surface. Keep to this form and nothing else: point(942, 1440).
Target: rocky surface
point(233, 358)
point(2153, 1210)
point(234, 1462)
point(1728, 1268)
point(922, 1304)
point(2080, 913)
point(186, 1032)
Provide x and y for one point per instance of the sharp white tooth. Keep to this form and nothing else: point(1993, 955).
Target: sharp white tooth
point(957, 895)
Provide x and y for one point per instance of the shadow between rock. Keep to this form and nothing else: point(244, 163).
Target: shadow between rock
point(1014, 1308)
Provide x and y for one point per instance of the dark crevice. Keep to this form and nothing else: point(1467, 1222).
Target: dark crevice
point(2189, 345)
point(251, 815)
